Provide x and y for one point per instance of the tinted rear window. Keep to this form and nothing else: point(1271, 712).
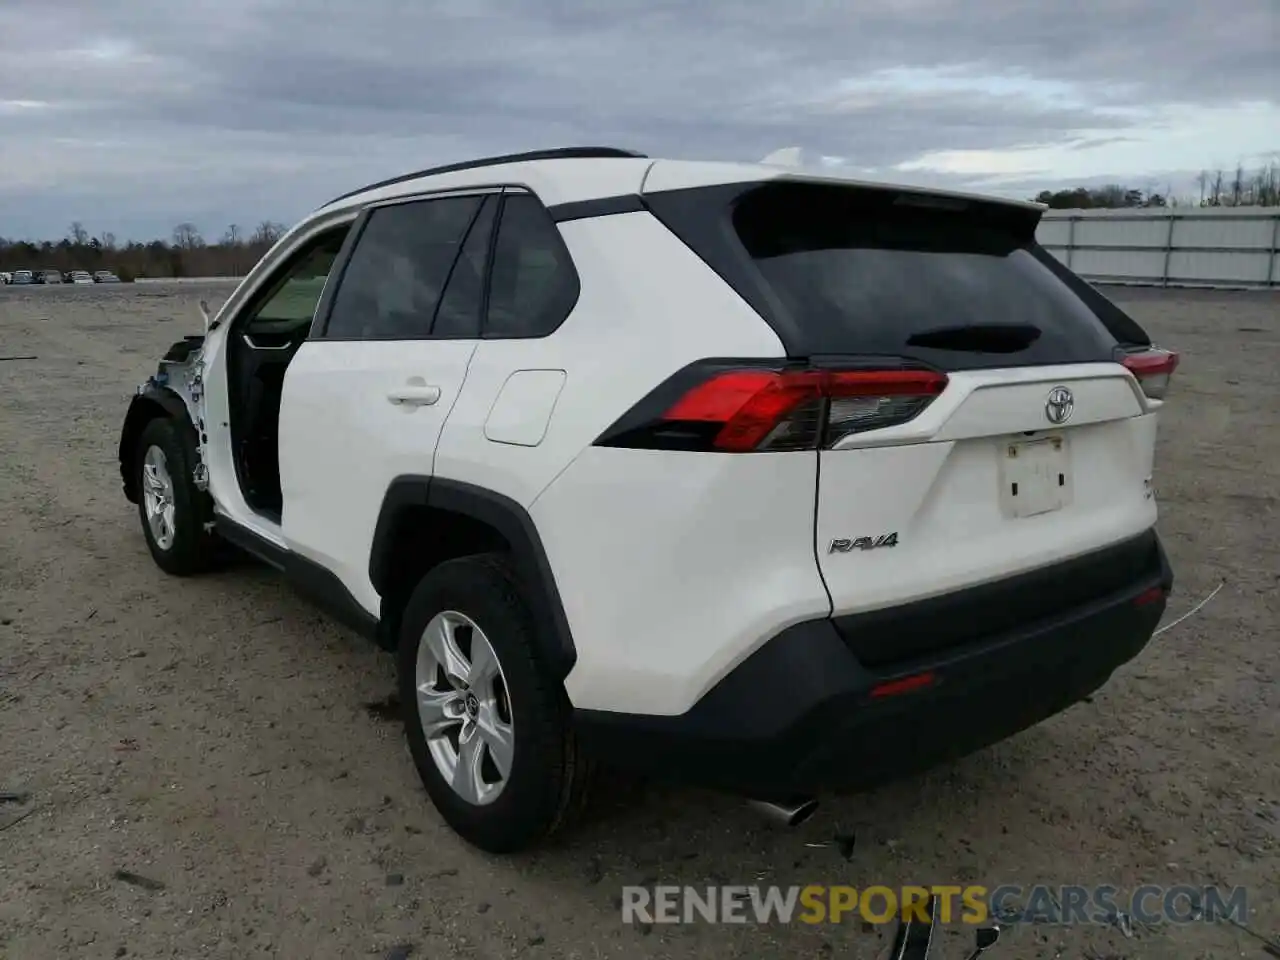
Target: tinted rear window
point(840, 271)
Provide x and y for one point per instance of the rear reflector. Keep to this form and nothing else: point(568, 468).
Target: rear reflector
point(1148, 597)
point(1153, 369)
point(893, 688)
point(801, 409)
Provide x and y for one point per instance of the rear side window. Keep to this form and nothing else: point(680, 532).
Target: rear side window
point(853, 271)
point(533, 284)
point(396, 275)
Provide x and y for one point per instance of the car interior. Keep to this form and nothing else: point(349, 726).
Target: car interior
point(261, 343)
point(389, 293)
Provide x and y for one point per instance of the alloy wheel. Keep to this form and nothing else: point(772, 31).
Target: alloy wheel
point(157, 494)
point(464, 707)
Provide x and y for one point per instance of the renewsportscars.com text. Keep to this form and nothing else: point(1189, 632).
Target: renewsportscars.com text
point(816, 903)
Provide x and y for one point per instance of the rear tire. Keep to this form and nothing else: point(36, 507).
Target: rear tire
point(501, 763)
point(172, 509)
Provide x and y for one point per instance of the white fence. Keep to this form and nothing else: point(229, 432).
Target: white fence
point(1168, 247)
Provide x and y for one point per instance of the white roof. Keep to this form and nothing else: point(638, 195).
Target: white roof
point(569, 180)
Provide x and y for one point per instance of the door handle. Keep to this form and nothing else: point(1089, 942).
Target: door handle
point(415, 395)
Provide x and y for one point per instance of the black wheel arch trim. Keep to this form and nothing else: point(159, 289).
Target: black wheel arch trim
point(142, 409)
point(508, 518)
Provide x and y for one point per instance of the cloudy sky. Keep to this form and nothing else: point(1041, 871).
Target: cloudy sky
point(133, 115)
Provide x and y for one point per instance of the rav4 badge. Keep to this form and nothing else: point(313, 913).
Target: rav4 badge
point(844, 545)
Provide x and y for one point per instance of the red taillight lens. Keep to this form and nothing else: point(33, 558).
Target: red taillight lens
point(749, 404)
point(802, 409)
point(1154, 370)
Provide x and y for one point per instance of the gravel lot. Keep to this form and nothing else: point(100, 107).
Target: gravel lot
point(222, 738)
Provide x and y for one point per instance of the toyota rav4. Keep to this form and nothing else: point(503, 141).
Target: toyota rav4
point(774, 482)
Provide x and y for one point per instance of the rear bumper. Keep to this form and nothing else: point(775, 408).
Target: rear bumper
point(803, 715)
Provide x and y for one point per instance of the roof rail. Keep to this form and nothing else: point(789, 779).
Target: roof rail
point(558, 153)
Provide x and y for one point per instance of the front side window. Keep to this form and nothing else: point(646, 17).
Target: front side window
point(393, 283)
point(291, 305)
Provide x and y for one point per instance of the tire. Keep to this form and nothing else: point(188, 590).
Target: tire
point(180, 545)
point(546, 780)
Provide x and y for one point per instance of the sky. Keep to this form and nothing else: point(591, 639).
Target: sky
point(131, 116)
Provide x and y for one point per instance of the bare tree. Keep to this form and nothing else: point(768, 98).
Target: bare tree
point(232, 242)
point(108, 241)
point(186, 236)
point(1215, 189)
point(267, 233)
point(79, 235)
point(1261, 190)
point(1237, 185)
point(1114, 195)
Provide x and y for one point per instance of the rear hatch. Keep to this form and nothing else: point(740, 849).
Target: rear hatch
point(980, 413)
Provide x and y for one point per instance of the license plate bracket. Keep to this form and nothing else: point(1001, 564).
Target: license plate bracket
point(1035, 476)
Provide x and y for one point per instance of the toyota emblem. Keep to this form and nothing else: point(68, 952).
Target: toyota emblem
point(1060, 405)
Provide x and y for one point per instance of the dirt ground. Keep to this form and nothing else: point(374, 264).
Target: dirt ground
point(220, 737)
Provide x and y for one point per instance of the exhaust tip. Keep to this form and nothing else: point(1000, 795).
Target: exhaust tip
point(791, 813)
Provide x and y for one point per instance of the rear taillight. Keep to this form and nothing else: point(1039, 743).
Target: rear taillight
point(744, 409)
point(1154, 369)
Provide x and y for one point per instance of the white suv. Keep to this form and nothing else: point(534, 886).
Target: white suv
point(774, 482)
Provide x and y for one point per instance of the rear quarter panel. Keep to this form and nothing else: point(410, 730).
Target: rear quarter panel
point(672, 567)
point(648, 306)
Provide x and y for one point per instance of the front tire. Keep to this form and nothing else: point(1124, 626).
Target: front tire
point(170, 506)
point(488, 727)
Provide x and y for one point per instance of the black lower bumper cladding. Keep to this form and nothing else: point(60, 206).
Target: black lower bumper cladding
point(837, 724)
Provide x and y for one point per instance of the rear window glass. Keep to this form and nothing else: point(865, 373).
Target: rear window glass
point(861, 273)
point(840, 270)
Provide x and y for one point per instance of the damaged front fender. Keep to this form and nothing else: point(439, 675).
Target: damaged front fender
point(175, 390)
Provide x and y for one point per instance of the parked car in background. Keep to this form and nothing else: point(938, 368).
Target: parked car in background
point(5, 276)
point(22, 277)
point(80, 276)
point(105, 276)
point(50, 276)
